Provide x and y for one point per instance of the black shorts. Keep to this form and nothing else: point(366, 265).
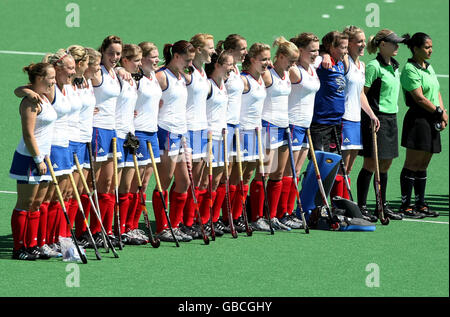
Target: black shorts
point(418, 132)
point(323, 136)
point(387, 136)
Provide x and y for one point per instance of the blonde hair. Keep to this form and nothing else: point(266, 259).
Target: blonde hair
point(57, 59)
point(130, 51)
point(147, 47)
point(255, 50)
point(351, 31)
point(93, 55)
point(199, 40)
point(78, 53)
point(303, 39)
point(374, 41)
point(285, 47)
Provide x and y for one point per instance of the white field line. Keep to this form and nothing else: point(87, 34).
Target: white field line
point(149, 201)
point(41, 54)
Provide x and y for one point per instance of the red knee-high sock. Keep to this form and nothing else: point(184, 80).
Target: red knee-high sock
point(292, 196)
point(124, 204)
point(110, 213)
point(19, 227)
point(72, 211)
point(218, 202)
point(177, 202)
point(95, 225)
point(236, 206)
point(133, 203)
point(138, 212)
point(42, 231)
point(158, 209)
point(284, 195)
point(80, 225)
point(338, 186)
point(62, 229)
point(257, 199)
point(232, 194)
point(32, 229)
point(189, 207)
point(273, 192)
point(52, 217)
point(204, 204)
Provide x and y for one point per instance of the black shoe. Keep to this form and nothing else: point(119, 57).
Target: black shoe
point(239, 225)
point(388, 212)
point(425, 209)
point(84, 240)
point(115, 241)
point(367, 215)
point(224, 227)
point(23, 254)
point(217, 232)
point(190, 231)
point(98, 240)
point(410, 212)
point(36, 251)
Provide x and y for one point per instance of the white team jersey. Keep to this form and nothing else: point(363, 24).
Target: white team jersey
point(197, 90)
point(252, 103)
point(301, 98)
point(172, 114)
point(355, 79)
point(216, 109)
point(87, 112)
point(43, 130)
point(125, 108)
point(235, 87)
point(147, 104)
point(63, 108)
point(106, 96)
point(275, 108)
point(74, 97)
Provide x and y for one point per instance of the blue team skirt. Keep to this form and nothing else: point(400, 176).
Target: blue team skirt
point(24, 170)
point(102, 144)
point(169, 142)
point(299, 137)
point(126, 159)
point(249, 145)
point(351, 135)
point(81, 151)
point(273, 136)
point(196, 141)
point(218, 155)
point(142, 153)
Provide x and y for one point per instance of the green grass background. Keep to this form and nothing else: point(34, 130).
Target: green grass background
point(412, 256)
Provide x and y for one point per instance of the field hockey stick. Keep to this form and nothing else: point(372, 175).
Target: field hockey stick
point(105, 238)
point(333, 226)
point(106, 241)
point(227, 183)
point(380, 207)
point(197, 211)
point(263, 177)
point(161, 195)
point(294, 179)
point(61, 202)
point(116, 192)
point(80, 205)
point(248, 230)
point(342, 164)
point(210, 179)
point(154, 241)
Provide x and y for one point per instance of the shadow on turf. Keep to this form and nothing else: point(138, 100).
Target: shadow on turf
point(6, 244)
point(438, 203)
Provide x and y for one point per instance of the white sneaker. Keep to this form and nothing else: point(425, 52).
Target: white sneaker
point(260, 225)
point(50, 252)
point(277, 225)
point(181, 236)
